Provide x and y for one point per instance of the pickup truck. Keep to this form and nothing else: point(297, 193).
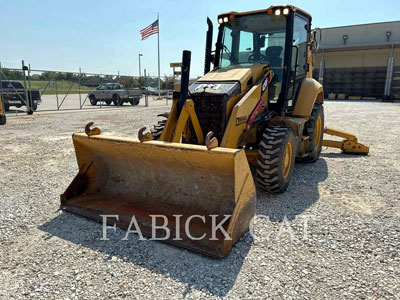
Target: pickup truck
point(14, 95)
point(114, 93)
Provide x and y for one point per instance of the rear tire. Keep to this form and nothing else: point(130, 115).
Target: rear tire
point(158, 129)
point(276, 159)
point(314, 128)
point(108, 102)
point(134, 101)
point(93, 100)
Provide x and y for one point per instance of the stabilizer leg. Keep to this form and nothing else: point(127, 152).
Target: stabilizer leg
point(349, 144)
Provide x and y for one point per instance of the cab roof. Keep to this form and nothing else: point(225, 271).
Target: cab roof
point(292, 7)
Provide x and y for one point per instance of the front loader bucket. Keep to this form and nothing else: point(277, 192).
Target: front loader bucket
point(194, 188)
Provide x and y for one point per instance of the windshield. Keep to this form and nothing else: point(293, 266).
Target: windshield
point(256, 38)
point(10, 84)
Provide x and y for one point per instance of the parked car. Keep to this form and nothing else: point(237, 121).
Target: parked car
point(154, 91)
point(114, 93)
point(150, 90)
point(14, 95)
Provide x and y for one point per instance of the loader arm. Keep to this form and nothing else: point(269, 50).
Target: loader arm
point(349, 144)
point(245, 111)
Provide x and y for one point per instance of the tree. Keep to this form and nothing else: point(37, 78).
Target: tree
point(12, 75)
point(128, 82)
point(167, 83)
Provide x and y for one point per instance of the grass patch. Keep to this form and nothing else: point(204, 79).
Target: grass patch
point(62, 87)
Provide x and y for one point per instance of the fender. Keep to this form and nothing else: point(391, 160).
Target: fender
point(310, 91)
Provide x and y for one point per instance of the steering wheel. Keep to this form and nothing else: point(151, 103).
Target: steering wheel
point(262, 58)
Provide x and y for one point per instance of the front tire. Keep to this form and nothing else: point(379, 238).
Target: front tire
point(93, 100)
point(117, 100)
point(276, 159)
point(158, 129)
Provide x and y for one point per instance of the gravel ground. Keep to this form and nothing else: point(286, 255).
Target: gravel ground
point(333, 235)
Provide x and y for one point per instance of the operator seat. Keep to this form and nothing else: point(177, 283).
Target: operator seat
point(273, 54)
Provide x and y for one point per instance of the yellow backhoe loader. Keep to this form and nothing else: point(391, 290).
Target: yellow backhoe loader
point(258, 105)
point(3, 118)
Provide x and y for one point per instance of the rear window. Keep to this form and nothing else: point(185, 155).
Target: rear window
point(10, 84)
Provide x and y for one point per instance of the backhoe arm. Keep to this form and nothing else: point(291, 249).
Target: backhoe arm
point(349, 144)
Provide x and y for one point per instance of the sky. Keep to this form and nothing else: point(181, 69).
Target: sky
point(103, 36)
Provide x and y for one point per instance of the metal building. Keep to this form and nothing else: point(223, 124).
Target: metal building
point(360, 60)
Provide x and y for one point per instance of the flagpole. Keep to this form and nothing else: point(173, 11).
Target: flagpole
point(158, 41)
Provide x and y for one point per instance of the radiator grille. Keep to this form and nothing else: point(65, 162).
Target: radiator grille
point(211, 111)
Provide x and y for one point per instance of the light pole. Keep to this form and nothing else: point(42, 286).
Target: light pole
point(140, 72)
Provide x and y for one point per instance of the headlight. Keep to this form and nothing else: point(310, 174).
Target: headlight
point(226, 19)
point(286, 11)
point(220, 21)
point(278, 12)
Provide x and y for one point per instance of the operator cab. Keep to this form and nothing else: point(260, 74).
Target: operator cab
point(278, 37)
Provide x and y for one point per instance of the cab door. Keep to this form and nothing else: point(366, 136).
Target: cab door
point(100, 93)
point(108, 92)
point(298, 66)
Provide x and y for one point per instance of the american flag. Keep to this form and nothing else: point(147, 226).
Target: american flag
point(149, 30)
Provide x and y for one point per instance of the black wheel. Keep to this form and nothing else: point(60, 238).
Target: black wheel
point(158, 129)
point(34, 107)
point(92, 100)
point(314, 129)
point(30, 112)
point(134, 101)
point(3, 119)
point(276, 157)
point(117, 100)
point(108, 102)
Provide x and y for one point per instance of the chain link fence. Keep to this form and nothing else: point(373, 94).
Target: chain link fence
point(27, 89)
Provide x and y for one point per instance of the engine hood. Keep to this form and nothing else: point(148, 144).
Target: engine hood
point(246, 74)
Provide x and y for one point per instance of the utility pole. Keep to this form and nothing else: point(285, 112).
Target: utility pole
point(27, 100)
point(158, 42)
point(146, 97)
point(140, 72)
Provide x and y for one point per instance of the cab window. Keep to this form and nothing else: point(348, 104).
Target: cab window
point(300, 43)
point(298, 66)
